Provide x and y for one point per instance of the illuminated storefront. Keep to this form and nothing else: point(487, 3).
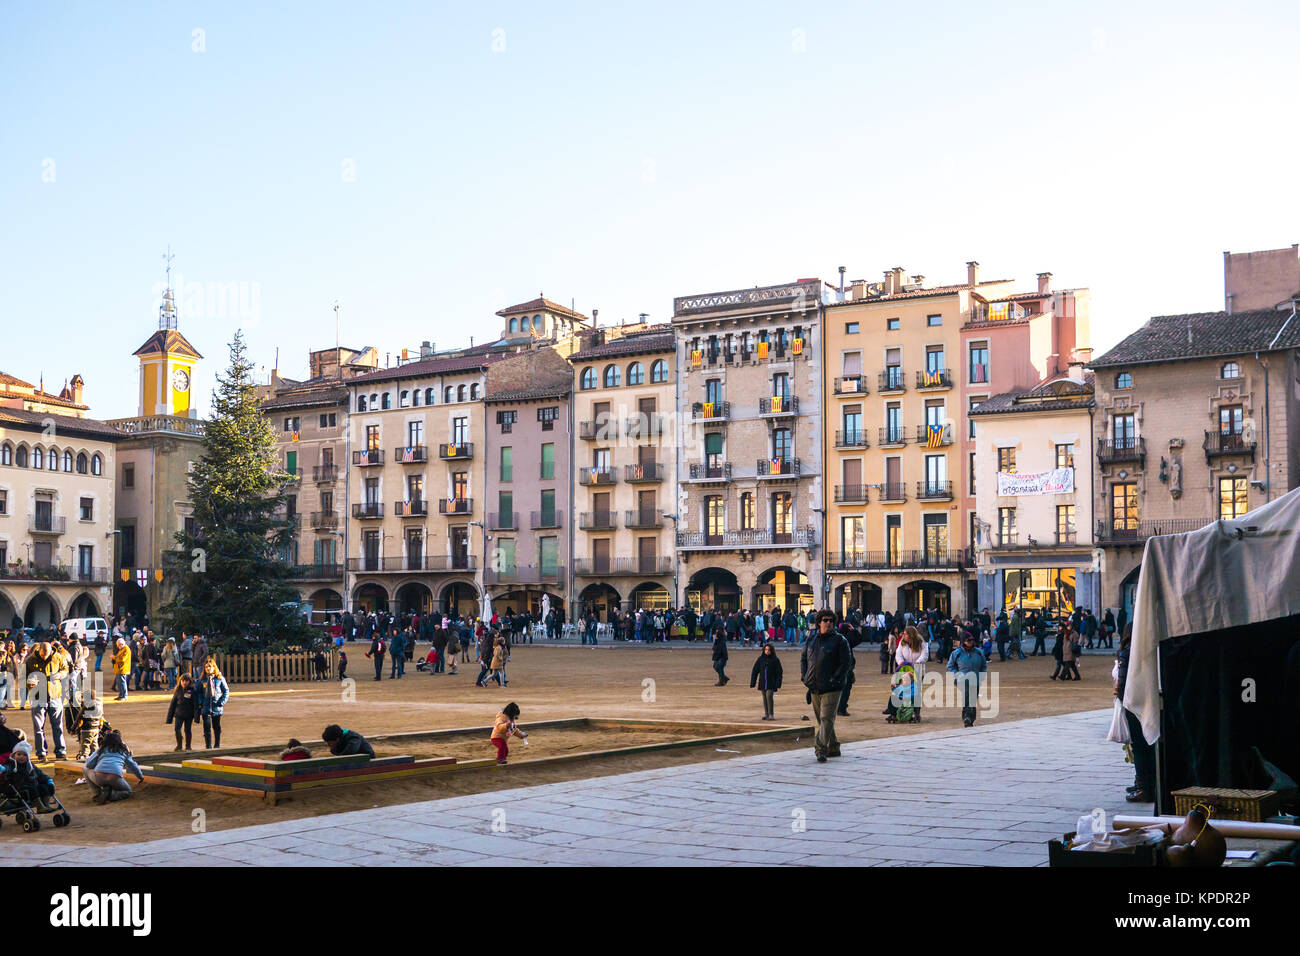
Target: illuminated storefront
point(1039, 589)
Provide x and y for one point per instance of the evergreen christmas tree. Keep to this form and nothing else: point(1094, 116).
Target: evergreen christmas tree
point(231, 579)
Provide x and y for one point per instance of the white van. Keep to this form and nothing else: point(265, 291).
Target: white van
point(86, 629)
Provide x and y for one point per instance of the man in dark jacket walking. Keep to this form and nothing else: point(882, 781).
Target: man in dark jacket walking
point(720, 658)
point(824, 667)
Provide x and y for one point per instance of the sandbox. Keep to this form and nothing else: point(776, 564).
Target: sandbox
point(257, 771)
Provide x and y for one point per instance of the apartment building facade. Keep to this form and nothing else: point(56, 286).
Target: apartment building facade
point(415, 484)
point(1033, 479)
point(625, 469)
point(528, 474)
point(1198, 418)
point(749, 423)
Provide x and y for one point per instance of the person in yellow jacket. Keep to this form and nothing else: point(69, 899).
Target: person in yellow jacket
point(47, 670)
point(121, 667)
point(504, 728)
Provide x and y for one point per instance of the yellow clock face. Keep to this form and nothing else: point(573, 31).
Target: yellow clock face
point(181, 380)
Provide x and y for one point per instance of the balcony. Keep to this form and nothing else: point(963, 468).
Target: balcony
point(642, 518)
point(524, 574)
point(39, 572)
point(368, 457)
point(455, 506)
point(934, 491)
point(503, 521)
point(546, 519)
point(779, 468)
point(892, 436)
point(930, 559)
point(648, 425)
point(1227, 443)
point(597, 476)
point(316, 572)
point(931, 380)
point(598, 520)
point(600, 429)
point(1115, 450)
point(644, 473)
point(325, 473)
point(455, 451)
point(778, 406)
point(851, 385)
point(893, 492)
point(700, 472)
point(445, 563)
point(933, 436)
point(852, 438)
point(1135, 532)
point(411, 509)
point(368, 509)
point(411, 454)
point(324, 520)
point(891, 380)
point(609, 567)
point(851, 494)
point(711, 411)
point(736, 540)
point(47, 524)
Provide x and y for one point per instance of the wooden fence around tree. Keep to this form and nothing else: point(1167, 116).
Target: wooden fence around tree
point(267, 668)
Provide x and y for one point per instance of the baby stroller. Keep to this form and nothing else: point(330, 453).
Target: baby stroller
point(13, 803)
point(903, 697)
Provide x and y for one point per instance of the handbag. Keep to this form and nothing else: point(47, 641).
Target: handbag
point(1118, 733)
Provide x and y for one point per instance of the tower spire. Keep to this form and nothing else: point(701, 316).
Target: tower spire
point(167, 311)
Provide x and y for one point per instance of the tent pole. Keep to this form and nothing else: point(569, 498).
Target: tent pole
point(1158, 749)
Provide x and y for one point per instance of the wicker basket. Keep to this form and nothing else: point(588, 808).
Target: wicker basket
point(1252, 806)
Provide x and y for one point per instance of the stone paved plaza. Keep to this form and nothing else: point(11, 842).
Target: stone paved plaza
point(991, 795)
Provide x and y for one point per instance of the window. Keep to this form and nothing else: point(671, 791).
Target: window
point(713, 450)
point(1124, 428)
point(507, 421)
point(853, 425)
point(714, 523)
point(429, 395)
point(891, 325)
point(21, 459)
point(537, 322)
point(1065, 456)
point(893, 368)
point(38, 458)
point(781, 387)
point(713, 391)
point(588, 379)
point(505, 509)
point(548, 507)
point(414, 434)
point(128, 546)
point(979, 363)
point(548, 460)
point(460, 431)
point(1232, 498)
point(67, 461)
point(970, 422)
point(972, 476)
point(612, 376)
point(507, 463)
point(372, 438)
point(4, 507)
point(548, 555)
point(781, 444)
point(851, 328)
point(329, 420)
point(460, 393)
point(636, 374)
point(1124, 506)
point(658, 371)
point(747, 511)
point(447, 394)
point(782, 517)
point(83, 463)
point(128, 476)
point(853, 538)
point(934, 359)
point(388, 400)
point(1230, 370)
point(936, 474)
point(547, 416)
point(893, 423)
point(415, 397)
point(361, 403)
point(933, 320)
point(1124, 380)
point(514, 325)
point(473, 392)
point(1230, 420)
point(403, 399)
point(936, 538)
point(1065, 530)
point(291, 424)
point(6, 454)
point(1006, 526)
point(1007, 460)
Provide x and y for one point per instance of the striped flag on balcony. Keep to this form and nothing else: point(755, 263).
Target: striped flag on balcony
point(697, 357)
point(933, 436)
point(797, 347)
point(931, 378)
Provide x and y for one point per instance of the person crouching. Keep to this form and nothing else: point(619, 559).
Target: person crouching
point(106, 769)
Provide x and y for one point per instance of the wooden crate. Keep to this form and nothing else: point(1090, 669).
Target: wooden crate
point(1252, 806)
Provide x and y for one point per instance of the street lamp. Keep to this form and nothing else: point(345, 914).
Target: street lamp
point(673, 518)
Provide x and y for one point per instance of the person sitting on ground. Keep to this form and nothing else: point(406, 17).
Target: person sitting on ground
point(430, 661)
point(9, 738)
point(343, 742)
point(32, 783)
point(504, 728)
point(106, 769)
point(295, 751)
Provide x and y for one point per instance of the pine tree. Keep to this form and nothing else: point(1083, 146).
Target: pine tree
point(231, 581)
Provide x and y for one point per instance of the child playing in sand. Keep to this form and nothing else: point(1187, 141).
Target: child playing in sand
point(504, 728)
point(295, 751)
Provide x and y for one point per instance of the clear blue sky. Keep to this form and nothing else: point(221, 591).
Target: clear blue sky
point(615, 155)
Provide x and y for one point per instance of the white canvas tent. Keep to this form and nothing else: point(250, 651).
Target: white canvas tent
point(1226, 575)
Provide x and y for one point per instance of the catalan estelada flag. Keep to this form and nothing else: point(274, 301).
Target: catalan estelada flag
point(762, 350)
point(697, 356)
point(797, 347)
point(932, 378)
point(933, 436)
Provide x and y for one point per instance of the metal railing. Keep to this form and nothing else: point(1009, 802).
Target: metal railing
point(1118, 532)
point(600, 429)
point(410, 509)
point(643, 518)
point(892, 436)
point(47, 524)
point(892, 491)
point(852, 438)
point(597, 567)
point(699, 472)
point(523, 574)
point(325, 473)
point(450, 451)
point(756, 538)
point(933, 490)
point(368, 509)
point(455, 506)
point(598, 520)
point(779, 405)
point(892, 380)
point(855, 494)
point(410, 454)
point(1121, 449)
point(324, 520)
point(644, 425)
point(368, 456)
point(174, 424)
point(779, 467)
point(648, 471)
point(546, 519)
point(711, 411)
point(503, 521)
point(942, 433)
point(934, 559)
point(415, 562)
point(326, 572)
point(597, 476)
point(938, 378)
point(1228, 443)
point(851, 385)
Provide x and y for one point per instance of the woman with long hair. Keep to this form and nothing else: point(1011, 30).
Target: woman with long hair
point(183, 709)
point(213, 692)
point(912, 652)
point(105, 770)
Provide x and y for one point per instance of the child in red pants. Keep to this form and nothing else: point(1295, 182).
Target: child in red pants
point(504, 728)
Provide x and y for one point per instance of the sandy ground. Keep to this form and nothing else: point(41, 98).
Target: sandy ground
point(548, 683)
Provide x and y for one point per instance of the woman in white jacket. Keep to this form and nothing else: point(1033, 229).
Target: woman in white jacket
point(913, 650)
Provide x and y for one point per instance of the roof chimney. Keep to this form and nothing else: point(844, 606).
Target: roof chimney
point(842, 270)
point(858, 289)
point(1228, 297)
point(1044, 283)
point(78, 386)
point(972, 273)
point(595, 317)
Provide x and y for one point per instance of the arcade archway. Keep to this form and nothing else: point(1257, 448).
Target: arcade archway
point(783, 588)
point(370, 598)
point(414, 597)
point(83, 605)
point(863, 595)
point(917, 596)
point(713, 589)
point(601, 598)
point(651, 596)
point(459, 598)
point(42, 611)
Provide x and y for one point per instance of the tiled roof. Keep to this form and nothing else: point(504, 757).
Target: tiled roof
point(434, 366)
point(933, 291)
point(1058, 394)
point(542, 304)
point(305, 398)
point(63, 424)
point(638, 343)
point(532, 393)
point(1168, 338)
point(1020, 295)
point(167, 340)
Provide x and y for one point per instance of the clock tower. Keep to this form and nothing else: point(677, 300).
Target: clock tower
point(167, 367)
